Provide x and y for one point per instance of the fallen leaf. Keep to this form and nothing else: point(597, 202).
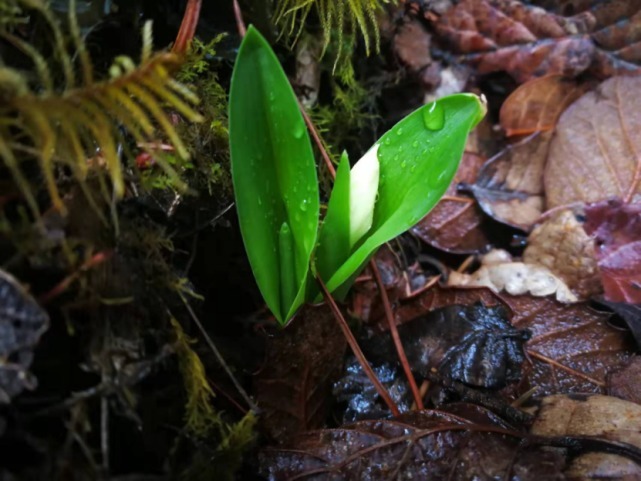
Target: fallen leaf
point(426, 445)
point(499, 272)
point(537, 104)
point(573, 347)
point(624, 382)
point(300, 365)
point(455, 224)
point(22, 323)
point(412, 45)
point(616, 229)
point(594, 415)
point(510, 185)
point(561, 245)
point(631, 315)
point(595, 153)
point(526, 41)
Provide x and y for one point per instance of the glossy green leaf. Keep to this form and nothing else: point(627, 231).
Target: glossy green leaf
point(274, 176)
point(418, 159)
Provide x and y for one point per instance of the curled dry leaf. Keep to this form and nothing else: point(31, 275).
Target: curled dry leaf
point(595, 415)
point(616, 228)
point(22, 322)
point(596, 151)
point(536, 105)
point(510, 185)
point(527, 41)
point(500, 273)
point(561, 245)
point(300, 365)
point(573, 347)
point(426, 445)
point(455, 224)
point(624, 382)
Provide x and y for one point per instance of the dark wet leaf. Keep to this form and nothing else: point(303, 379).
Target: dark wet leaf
point(510, 185)
point(526, 41)
point(616, 229)
point(427, 445)
point(573, 347)
point(475, 345)
point(631, 315)
point(624, 383)
point(22, 322)
point(300, 365)
point(455, 224)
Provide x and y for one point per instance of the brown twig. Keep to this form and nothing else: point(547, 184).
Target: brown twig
point(240, 23)
point(187, 27)
point(351, 340)
point(393, 329)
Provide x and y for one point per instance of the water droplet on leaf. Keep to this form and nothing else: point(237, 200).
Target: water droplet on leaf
point(434, 116)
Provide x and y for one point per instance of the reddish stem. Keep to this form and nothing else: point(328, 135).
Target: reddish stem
point(240, 23)
point(351, 340)
point(187, 27)
point(393, 329)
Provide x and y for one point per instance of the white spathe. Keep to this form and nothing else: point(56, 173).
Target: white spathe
point(363, 186)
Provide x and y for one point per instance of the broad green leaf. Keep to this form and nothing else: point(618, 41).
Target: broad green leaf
point(274, 176)
point(418, 159)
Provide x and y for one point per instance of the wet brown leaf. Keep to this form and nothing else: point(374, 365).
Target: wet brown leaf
point(537, 104)
point(455, 224)
point(629, 313)
point(526, 41)
point(427, 445)
point(596, 153)
point(593, 415)
point(302, 360)
point(572, 348)
point(561, 245)
point(412, 45)
point(510, 185)
point(626, 382)
point(616, 229)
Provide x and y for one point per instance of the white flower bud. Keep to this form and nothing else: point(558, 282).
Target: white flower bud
point(363, 187)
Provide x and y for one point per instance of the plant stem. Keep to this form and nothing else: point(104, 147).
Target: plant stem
point(393, 329)
point(351, 340)
point(240, 23)
point(187, 27)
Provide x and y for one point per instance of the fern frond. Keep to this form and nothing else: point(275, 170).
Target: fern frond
point(71, 125)
point(334, 16)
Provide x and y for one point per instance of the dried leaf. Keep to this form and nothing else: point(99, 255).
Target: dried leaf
point(616, 228)
point(427, 445)
point(412, 45)
point(631, 315)
point(510, 184)
point(300, 365)
point(455, 224)
point(526, 41)
point(499, 273)
point(22, 322)
point(537, 104)
point(593, 415)
point(561, 245)
point(595, 153)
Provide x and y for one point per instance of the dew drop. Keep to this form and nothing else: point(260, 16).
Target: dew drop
point(415, 144)
point(399, 132)
point(434, 116)
point(403, 164)
point(260, 201)
point(299, 130)
point(303, 205)
point(413, 168)
point(387, 141)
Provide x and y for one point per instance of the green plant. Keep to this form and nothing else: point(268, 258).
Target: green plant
point(391, 188)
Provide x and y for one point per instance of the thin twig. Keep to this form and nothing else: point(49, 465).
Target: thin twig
point(393, 329)
point(317, 141)
point(187, 27)
point(219, 357)
point(240, 23)
point(351, 340)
